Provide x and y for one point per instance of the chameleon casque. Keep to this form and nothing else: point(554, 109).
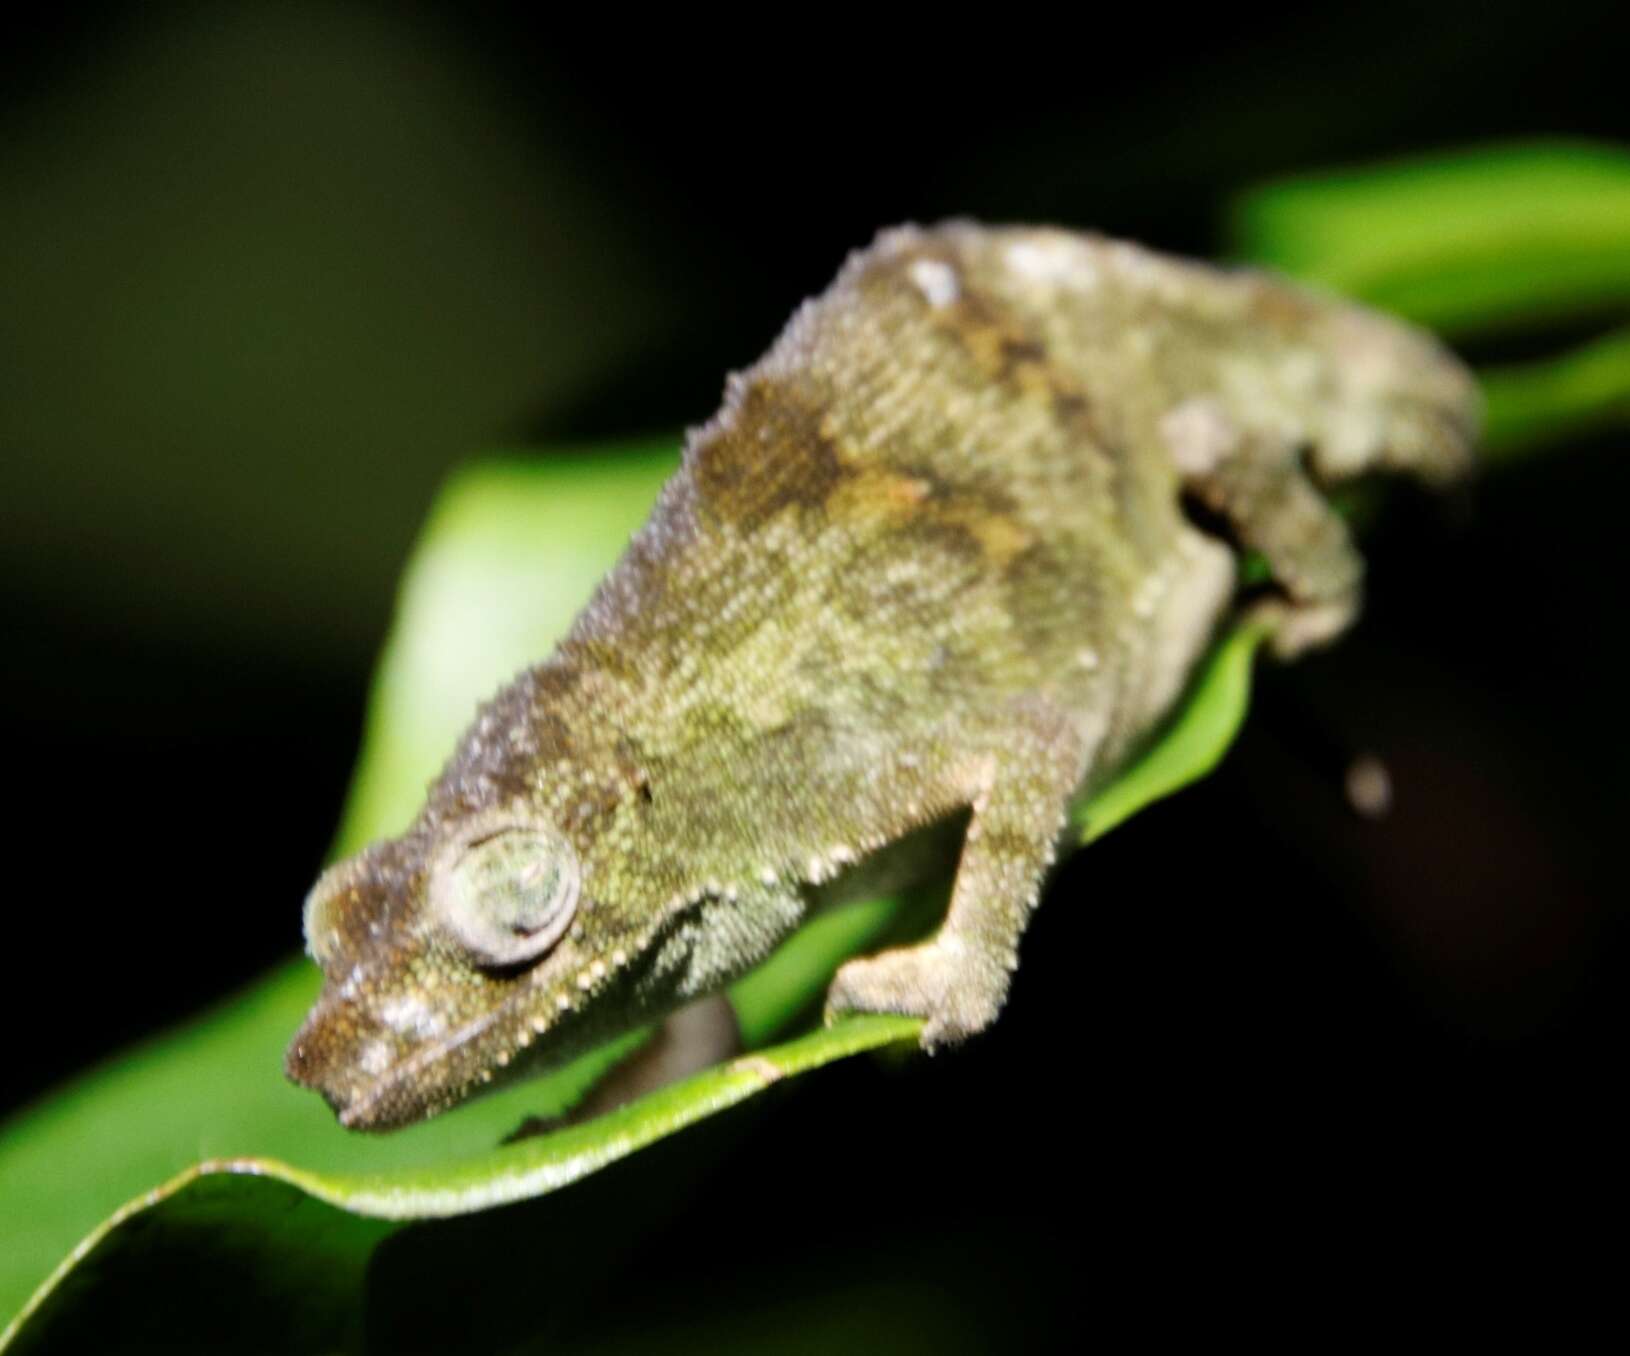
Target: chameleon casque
point(936, 561)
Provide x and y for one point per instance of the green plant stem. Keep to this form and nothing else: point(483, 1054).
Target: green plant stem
point(1536, 405)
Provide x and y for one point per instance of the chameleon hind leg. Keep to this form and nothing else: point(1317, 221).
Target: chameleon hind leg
point(1261, 489)
point(1018, 791)
point(1420, 420)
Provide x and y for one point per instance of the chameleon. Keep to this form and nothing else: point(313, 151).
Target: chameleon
point(949, 551)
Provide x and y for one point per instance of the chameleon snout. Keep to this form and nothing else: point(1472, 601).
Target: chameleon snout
point(350, 1059)
point(311, 1062)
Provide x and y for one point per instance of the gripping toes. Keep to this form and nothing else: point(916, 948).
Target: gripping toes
point(955, 990)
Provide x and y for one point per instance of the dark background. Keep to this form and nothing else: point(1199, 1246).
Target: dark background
point(268, 271)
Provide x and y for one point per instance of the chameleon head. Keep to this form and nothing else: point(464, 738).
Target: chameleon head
point(450, 959)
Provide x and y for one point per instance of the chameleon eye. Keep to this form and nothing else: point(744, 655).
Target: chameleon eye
point(507, 895)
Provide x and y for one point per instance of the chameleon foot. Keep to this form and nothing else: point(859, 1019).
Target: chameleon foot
point(954, 990)
point(1295, 628)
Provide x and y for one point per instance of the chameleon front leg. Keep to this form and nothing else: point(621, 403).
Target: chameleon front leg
point(956, 981)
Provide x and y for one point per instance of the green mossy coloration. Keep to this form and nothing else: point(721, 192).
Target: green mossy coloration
point(930, 559)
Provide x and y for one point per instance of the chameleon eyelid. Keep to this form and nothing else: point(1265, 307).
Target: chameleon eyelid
point(505, 890)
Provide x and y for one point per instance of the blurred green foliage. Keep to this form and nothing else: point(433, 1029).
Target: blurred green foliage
point(1466, 243)
point(1531, 404)
point(1472, 243)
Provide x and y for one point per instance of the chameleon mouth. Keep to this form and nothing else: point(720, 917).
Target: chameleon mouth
point(344, 1060)
point(352, 1061)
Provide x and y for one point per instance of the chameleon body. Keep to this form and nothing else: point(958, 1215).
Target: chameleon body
point(936, 561)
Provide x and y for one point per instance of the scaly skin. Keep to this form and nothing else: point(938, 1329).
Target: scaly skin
point(930, 560)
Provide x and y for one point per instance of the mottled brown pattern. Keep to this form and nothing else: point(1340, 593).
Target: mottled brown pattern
point(775, 454)
point(1004, 353)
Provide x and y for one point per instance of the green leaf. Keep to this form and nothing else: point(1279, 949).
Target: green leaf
point(1466, 241)
point(1190, 746)
point(194, 1141)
